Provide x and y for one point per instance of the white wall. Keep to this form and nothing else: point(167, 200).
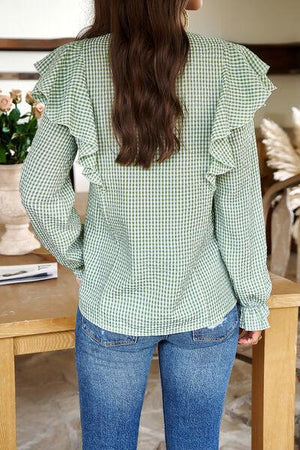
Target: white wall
point(257, 22)
point(252, 21)
point(39, 19)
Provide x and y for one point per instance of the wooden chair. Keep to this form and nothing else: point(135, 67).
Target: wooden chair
point(281, 221)
point(281, 226)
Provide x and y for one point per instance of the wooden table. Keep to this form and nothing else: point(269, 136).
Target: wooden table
point(274, 371)
point(40, 316)
point(34, 317)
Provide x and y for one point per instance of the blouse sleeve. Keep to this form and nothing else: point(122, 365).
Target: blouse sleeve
point(240, 229)
point(48, 196)
point(234, 176)
point(67, 127)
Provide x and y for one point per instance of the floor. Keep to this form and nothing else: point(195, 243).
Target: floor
point(48, 408)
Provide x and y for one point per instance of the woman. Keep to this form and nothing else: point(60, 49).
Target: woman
point(172, 251)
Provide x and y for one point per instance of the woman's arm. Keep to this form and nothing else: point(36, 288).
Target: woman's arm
point(48, 196)
point(240, 229)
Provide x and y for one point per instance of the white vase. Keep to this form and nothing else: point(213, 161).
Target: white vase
point(17, 238)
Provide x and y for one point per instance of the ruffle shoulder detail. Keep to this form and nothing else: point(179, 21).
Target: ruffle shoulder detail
point(245, 87)
point(63, 90)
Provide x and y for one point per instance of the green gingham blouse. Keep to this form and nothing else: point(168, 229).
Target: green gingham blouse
point(172, 248)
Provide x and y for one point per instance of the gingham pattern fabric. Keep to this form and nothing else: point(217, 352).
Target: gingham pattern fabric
point(172, 248)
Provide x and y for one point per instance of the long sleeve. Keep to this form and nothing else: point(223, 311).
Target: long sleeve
point(240, 229)
point(67, 127)
point(48, 196)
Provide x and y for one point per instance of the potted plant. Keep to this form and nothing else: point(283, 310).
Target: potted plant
point(16, 134)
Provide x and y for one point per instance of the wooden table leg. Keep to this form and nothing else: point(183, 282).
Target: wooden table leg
point(274, 382)
point(7, 395)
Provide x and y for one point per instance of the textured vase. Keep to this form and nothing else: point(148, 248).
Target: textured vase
point(17, 238)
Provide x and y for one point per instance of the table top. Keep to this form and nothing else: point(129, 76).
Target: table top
point(50, 305)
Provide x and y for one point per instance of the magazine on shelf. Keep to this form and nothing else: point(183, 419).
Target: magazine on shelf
point(29, 272)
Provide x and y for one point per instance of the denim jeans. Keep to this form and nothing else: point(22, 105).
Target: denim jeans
point(112, 370)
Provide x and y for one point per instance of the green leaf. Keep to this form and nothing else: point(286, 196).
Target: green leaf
point(14, 115)
point(25, 115)
point(2, 155)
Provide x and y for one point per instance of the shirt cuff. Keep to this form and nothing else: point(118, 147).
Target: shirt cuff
point(254, 318)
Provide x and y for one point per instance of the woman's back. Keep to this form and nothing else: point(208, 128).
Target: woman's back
point(174, 247)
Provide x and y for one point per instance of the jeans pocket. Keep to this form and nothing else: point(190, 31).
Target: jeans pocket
point(221, 331)
point(105, 337)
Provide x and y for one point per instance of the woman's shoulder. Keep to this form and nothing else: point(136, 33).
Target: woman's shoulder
point(226, 47)
point(76, 46)
point(202, 39)
point(243, 69)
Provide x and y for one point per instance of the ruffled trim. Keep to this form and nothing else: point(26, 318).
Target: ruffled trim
point(62, 88)
point(253, 318)
point(245, 88)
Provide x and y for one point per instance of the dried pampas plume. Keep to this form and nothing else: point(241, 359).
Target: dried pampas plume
point(283, 155)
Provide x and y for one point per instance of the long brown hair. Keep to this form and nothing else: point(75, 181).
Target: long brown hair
point(148, 51)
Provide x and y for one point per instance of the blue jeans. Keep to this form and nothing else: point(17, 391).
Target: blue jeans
point(112, 371)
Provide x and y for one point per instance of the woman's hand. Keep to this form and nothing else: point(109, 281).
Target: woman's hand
point(78, 281)
point(249, 337)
